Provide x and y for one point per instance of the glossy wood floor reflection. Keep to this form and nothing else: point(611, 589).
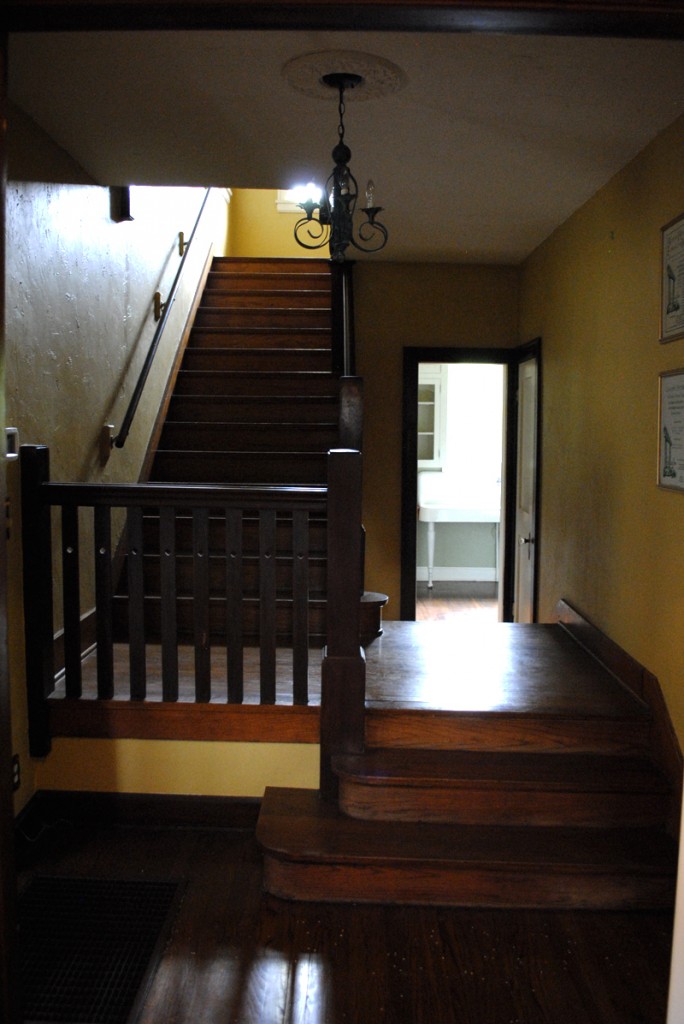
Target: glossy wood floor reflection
point(457, 601)
point(238, 957)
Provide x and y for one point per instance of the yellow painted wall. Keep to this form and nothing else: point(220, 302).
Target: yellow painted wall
point(612, 541)
point(399, 305)
point(258, 229)
point(181, 767)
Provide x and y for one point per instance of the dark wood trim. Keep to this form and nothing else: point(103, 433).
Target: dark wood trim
point(622, 665)
point(9, 988)
point(624, 18)
point(665, 748)
point(343, 672)
point(247, 723)
point(47, 808)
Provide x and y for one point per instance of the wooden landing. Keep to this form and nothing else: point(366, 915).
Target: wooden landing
point(434, 684)
point(315, 853)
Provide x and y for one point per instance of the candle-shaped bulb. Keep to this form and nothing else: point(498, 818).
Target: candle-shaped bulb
point(370, 194)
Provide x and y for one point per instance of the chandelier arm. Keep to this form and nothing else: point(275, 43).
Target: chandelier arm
point(366, 233)
point(308, 227)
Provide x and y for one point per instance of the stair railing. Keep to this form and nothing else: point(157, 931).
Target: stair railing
point(227, 512)
point(164, 309)
point(223, 512)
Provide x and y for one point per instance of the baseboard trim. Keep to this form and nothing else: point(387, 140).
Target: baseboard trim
point(457, 574)
point(47, 808)
point(665, 748)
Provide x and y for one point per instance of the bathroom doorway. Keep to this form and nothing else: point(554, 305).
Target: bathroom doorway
point(460, 444)
point(486, 512)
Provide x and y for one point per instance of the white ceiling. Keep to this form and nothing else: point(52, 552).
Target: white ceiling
point(491, 143)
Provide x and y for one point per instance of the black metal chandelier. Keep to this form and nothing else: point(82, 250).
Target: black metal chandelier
point(334, 225)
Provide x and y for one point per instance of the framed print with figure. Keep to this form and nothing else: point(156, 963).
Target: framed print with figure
point(672, 281)
point(671, 430)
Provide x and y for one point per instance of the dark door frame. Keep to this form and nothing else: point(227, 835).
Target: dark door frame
point(511, 359)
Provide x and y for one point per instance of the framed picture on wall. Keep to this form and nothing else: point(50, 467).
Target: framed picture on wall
point(671, 430)
point(672, 281)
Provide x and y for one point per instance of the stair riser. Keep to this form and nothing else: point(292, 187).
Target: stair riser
point(250, 467)
point(500, 806)
point(225, 437)
point(276, 411)
point(258, 338)
point(266, 264)
point(258, 360)
point(525, 733)
point(244, 281)
point(293, 319)
point(270, 299)
point(250, 384)
point(432, 885)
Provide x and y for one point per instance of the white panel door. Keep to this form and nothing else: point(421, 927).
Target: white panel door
point(526, 493)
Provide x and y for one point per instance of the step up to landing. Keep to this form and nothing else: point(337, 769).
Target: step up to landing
point(501, 788)
point(313, 852)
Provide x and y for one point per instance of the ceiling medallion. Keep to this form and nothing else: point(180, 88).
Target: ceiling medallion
point(379, 77)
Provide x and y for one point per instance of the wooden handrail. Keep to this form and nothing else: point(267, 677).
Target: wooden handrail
point(152, 495)
point(120, 439)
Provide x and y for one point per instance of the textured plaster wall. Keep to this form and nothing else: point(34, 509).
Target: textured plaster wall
point(78, 324)
point(80, 319)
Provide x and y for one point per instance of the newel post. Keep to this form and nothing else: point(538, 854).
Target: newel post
point(37, 566)
point(350, 420)
point(342, 317)
point(343, 684)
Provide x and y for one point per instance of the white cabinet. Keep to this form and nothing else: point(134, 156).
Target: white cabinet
point(431, 415)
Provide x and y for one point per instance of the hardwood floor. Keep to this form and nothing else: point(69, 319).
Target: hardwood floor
point(236, 956)
point(457, 601)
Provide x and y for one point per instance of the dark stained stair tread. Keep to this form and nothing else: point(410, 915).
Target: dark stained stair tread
point(313, 851)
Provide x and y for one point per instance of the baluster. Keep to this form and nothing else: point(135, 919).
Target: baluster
point(71, 593)
point(300, 606)
point(234, 595)
point(103, 602)
point(200, 534)
point(136, 606)
point(267, 604)
point(169, 615)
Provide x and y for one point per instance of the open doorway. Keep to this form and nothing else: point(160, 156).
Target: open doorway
point(460, 446)
point(495, 499)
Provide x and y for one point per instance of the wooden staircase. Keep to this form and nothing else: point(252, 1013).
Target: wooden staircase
point(254, 402)
point(537, 809)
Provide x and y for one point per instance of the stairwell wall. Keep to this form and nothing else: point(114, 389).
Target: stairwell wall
point(78, 325)
point(427, 305)
point(612, 541)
